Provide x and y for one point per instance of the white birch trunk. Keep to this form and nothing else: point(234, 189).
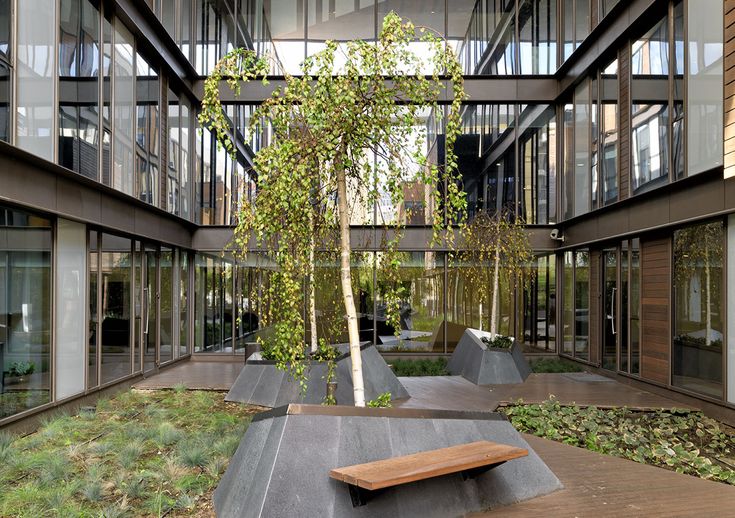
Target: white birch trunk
point(346, 280)
point(496, 285)
point(312, 298)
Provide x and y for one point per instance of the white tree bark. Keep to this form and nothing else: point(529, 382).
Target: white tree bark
point(708, 297)
point(496, 285)
point(312, 298)
point(346, 280)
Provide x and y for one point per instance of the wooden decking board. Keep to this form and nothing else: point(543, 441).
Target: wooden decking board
point(603, 486)
point(420, 466)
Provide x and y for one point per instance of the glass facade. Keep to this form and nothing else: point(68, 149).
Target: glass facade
point(80, 88)
point(25, 310)
point(698, 325)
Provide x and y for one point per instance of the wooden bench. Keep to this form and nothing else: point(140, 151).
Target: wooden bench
point(470, 460)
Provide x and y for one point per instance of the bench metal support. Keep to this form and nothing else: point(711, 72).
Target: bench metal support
point(476, 472)
point(360, 496)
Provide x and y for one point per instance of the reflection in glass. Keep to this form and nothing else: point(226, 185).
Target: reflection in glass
point(5, 89)
point(79, 59)
point(174, 153)
point(698, 309)
point(581, 304)
point(704, 85)
point(285, 21)
point(422, 304)
point(183, 303)
point(36, 109)
point(166, 304)
point(650, 106)
point(635, 306)
point(537, 28)
point(539, 306)
point(115, 312)
point(25, 311)
point(568, 301)
point(123, 108)
point(148, 145)
point(92, 377)
point(538, 165)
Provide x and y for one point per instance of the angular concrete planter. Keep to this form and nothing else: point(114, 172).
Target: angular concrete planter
point(282, 464)
point(483, 365)
point(261, 383)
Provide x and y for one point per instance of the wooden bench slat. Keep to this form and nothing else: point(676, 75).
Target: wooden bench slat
point(419, 466)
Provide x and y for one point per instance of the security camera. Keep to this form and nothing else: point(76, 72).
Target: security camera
point(556, 235)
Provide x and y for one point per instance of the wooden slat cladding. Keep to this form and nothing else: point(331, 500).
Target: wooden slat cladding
point(624, 109)
point(595, 310)
point(729, 89)
point(656, 309)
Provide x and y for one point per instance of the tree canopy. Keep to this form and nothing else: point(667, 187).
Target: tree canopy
point(349, 128)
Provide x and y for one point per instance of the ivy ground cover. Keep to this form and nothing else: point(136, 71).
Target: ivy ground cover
point(142, 453)
point(677, 439)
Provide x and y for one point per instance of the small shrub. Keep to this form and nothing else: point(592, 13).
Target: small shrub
point(180, 388)
point(555, 365)
point(425, 367)
point(382, 401)
point(193, 455)
point(498, 342)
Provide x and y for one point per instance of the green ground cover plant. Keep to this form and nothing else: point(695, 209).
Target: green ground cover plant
point(554, 365)
point(143, 453)
point(677, 439)
point(425, 367)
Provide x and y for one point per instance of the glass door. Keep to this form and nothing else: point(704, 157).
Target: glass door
point(150, 309)
point(610, 324)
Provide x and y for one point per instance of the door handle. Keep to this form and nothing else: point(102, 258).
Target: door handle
point(147, 299)
point(613, 307)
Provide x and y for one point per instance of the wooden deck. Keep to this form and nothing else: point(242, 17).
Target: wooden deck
point(456, 393)
point(595, 485)
point(598, 485)
point(195, 375)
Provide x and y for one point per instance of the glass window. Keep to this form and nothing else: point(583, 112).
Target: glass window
point(148, 145)
point(568, 301)
point(6, 22)
point(539, 306)
point(5, 106)
point(115, 312)
point(166, 293)
point(79, 60)
point(699, 309)
point(174, 153)
point(650, 107)
point(704, 85)
point(25, 311)
point(93, 301)
point(538, 165)
point(582, 164)
point(183, 303)
point(581, 304)
point(215, 33)
point(609, 133)
point(568, 194)
point(185, 163)
point(634, 305)
point(421, 308)
point(123, 110)
point(285, 21)
point(36, 109)
point(339, 21)
point(537, 27)
point(422, 13)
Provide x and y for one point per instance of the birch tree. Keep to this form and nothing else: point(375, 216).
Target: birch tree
point(347, 124)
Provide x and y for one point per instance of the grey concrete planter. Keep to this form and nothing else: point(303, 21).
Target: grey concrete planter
point(281, 466)
point(261, 383)
point(483, 365)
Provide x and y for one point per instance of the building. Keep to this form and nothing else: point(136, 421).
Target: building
point(606, 124)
